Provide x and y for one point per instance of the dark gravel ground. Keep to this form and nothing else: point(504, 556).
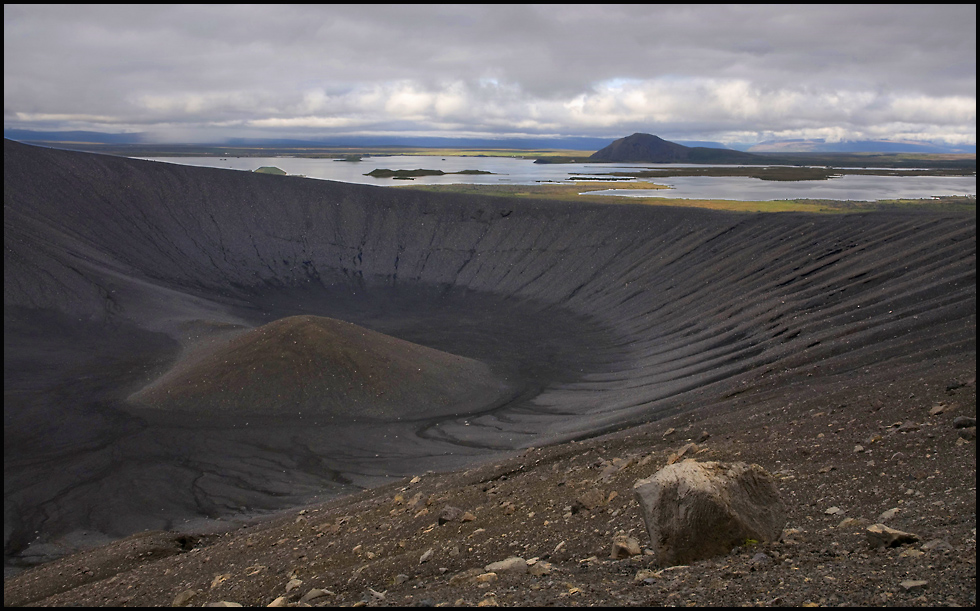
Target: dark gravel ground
point(864, 442)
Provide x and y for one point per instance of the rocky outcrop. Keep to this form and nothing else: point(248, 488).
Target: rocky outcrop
point(880, 535)
point(698, 510)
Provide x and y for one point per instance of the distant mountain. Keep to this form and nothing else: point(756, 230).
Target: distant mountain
point(638, 147)
point(646, 148)
point(858, 146)
point(82, 137)
point(28, 135)
point(708, 144)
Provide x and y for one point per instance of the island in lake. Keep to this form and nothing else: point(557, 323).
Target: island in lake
point(413, 174)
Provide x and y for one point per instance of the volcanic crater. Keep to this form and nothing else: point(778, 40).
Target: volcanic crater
point(184, 345)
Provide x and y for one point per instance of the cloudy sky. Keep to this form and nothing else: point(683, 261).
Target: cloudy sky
point(722, 73)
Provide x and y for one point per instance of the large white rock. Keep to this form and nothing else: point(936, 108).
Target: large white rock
point(698, 510)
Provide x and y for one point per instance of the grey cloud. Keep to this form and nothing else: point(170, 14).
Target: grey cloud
point(482, 66)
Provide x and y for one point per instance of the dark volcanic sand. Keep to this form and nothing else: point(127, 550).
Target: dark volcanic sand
point(598, 318)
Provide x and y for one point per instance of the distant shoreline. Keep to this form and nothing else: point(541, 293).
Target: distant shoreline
point(966, 162)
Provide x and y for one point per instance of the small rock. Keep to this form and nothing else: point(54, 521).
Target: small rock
point(314, 594)
point(690, 448)
point(588, 500)
point(880, 535)
point(181, 599)
point(914, 584)
point(963, 422)
point(608, 473)
point(540, 569)
point(646, 575)
point(514, 564)
point(449, 514)
point(826, 469)
point(669, 432)
point(293, 584)
point(280, 601)
point(467, 517)
point(888, 515)
point(400, 579)
point(832, 511)
point(938, 545)
point(426, 556)
point(416, 501)
point(858, 449)
point(329, 529)
point(486, 577)
point(219, 579)
point(624, 547)
point(788, 533)
point(704, 436)
point(851, 523)
point(761, 559)
point(937, 409)
point(967, 434)
point(465, 575)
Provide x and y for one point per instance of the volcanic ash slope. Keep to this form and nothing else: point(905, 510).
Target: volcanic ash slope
point(321, 367)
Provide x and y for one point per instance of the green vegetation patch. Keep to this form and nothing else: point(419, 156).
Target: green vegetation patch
point(268, 169)
point(580, 192)
point(785, 173)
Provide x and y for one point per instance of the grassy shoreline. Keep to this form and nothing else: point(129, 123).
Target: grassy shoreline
point(580, 191)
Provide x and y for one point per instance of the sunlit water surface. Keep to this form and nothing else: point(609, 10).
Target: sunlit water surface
point(508, 170)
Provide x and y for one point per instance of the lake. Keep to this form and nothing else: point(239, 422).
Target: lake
point(509, 170)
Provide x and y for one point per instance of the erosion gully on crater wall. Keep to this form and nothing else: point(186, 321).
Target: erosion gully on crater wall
point(546, 321)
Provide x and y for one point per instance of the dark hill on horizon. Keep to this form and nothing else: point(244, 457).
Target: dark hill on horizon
point(646, 148)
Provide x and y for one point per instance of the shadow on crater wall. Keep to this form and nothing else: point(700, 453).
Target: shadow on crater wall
point(594, 316)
